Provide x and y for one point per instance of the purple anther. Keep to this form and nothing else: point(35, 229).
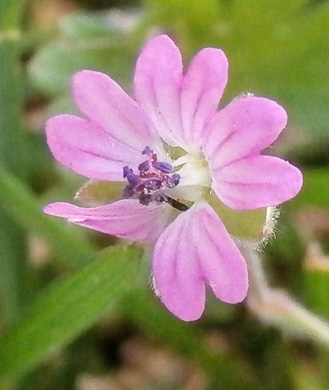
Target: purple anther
point(162, 166)
point(144, 166)
point(133, 179)
point(147, 151)
point(152, 184)
point(127, 171)
point(174, 180)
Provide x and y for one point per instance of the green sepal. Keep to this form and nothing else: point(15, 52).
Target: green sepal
point(98, 193)
point(248, 225)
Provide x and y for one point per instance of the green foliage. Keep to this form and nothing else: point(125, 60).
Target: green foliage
point(12, 136)
point(10, 15)
point(27, 212)
point(84, 42)
point(66, 309)
point(187, 340)
point(316, 283)
point(315, 189)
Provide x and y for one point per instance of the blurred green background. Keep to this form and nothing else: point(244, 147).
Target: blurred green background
point(76, 311)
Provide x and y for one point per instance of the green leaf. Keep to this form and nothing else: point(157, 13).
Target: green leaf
point(12, 136)
point(12, 269)
point(68, 307)
point(25, 209)
point(82, 25)
point(86, 41)
point(54, 65)
point(10, 13)
point(13, 155)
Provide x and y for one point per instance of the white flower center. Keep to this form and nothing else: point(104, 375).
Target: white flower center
point(182, 180)
point(195, 179)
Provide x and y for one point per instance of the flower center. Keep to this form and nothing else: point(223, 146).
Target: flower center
point(153, 178)
point(195, 182)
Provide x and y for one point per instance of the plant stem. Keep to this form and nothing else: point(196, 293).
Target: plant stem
point(275, 307)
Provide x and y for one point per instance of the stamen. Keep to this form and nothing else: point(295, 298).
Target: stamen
point(151, 182)
point(144, 166)
point(147, 151)
point(162, 166)
point(127, 171)
point(130, 176)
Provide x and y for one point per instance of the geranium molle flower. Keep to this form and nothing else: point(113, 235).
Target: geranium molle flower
point(174, 149)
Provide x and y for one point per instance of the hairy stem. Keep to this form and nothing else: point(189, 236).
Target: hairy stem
point(276, 307)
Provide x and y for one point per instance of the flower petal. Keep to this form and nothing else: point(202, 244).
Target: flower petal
point(202, 88)
point(104, 101)
point(243, 128)
point(221, 263)
point(83, 146)
point(176, 271)
point(197, 249)
point(256, 182)
point(126, 218)
point(157, 82)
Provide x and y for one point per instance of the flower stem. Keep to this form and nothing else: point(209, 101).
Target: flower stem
point(275, 307)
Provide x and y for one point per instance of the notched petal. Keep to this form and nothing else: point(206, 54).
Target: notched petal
point(202, 88)
point(83, 146)
point(178, 280)
point(157, 82)
point(220, 261)
point(257, 182)
point(102, 100)
point(245, 127)
point(193, 251)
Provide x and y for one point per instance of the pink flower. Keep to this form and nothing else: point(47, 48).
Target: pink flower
point(173, 148)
